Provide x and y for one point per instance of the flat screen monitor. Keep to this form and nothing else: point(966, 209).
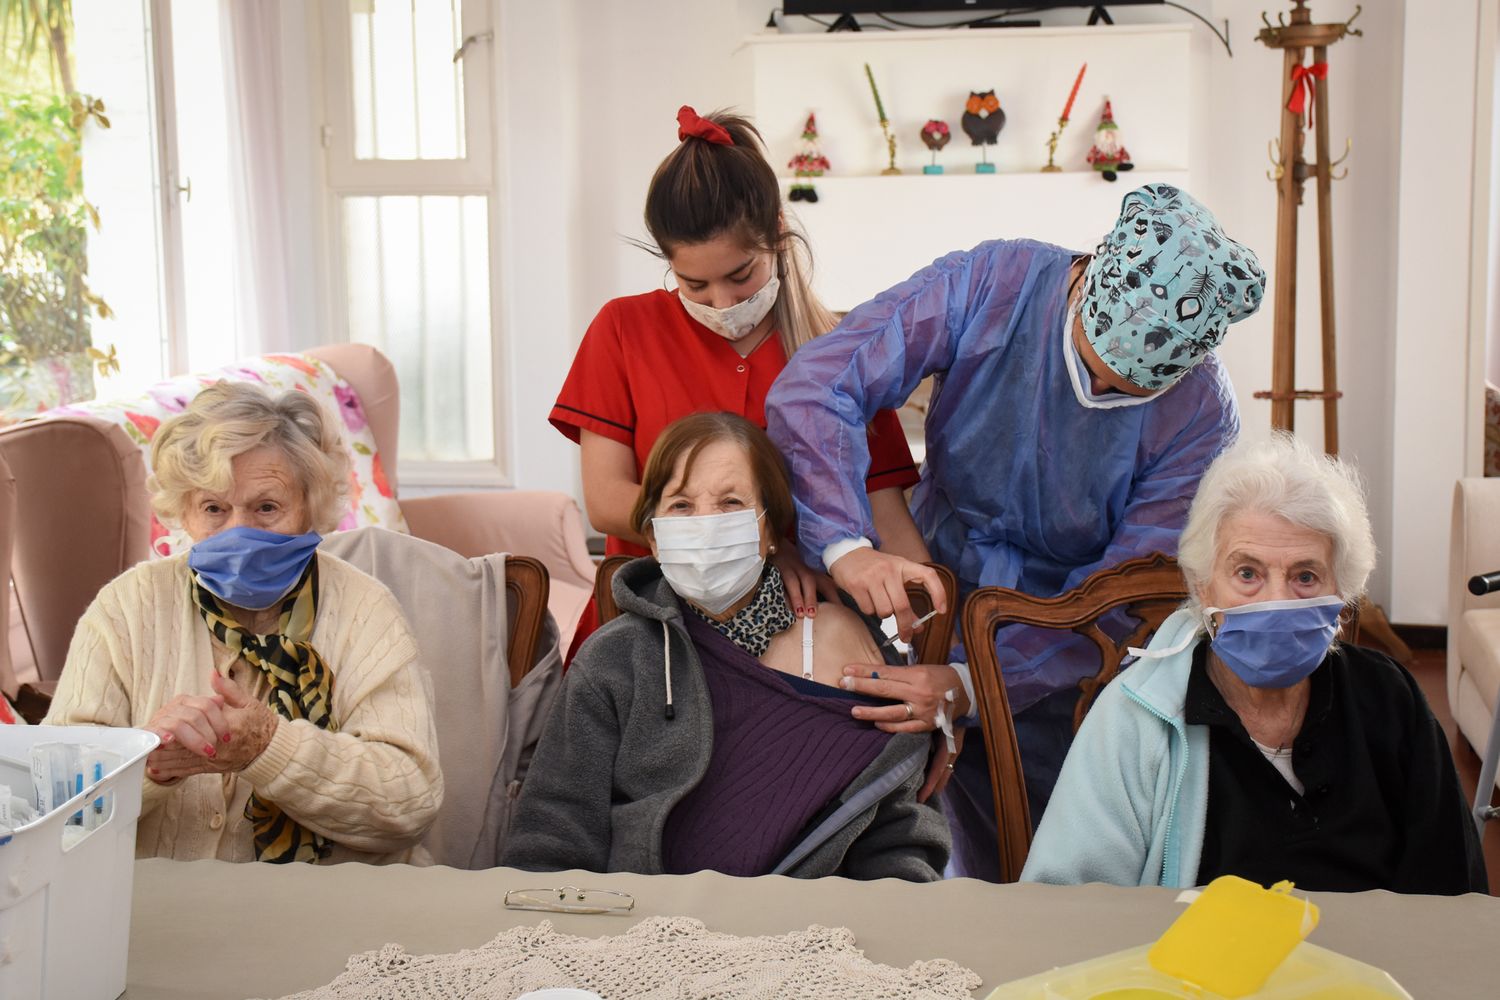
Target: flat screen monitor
point(941, 6)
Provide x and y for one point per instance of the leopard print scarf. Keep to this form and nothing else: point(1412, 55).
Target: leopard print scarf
point(768, 614)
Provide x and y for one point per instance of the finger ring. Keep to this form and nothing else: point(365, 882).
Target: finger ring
point(910, 712)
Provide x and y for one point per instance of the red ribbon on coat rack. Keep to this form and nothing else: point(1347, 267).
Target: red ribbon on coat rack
point(1304, 85)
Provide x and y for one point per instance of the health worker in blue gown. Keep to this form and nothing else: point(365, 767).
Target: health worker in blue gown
point(1076, 405)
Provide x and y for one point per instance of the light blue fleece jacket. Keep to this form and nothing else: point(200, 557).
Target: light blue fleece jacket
point(1131, 802)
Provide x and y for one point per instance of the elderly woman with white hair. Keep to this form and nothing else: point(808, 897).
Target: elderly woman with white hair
point(295, 720)
point(1245, 741)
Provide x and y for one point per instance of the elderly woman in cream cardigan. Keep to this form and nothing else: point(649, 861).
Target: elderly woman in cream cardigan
point(295, 720)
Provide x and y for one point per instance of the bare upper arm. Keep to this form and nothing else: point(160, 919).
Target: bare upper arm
point(610, 482)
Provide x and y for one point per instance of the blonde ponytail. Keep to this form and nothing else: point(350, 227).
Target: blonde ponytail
point(800, 316)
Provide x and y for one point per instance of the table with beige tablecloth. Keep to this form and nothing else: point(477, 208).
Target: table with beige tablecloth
point(208, 929)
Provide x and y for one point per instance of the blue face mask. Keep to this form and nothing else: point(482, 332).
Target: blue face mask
point(251, 568)
point(1275, 644)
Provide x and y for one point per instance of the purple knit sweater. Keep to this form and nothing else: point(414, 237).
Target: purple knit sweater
point(779, 758)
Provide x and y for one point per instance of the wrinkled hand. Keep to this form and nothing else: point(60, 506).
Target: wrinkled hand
point(877, 582)
point(922, 686)
point(209, 734)
point(940, 771)
point(803, 586)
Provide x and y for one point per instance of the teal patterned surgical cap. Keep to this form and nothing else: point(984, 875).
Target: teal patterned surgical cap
point(1164, 285)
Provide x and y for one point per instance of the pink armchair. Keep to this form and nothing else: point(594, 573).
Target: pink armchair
point(82, 516)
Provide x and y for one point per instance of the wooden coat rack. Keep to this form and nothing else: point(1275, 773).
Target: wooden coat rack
point(1304, 104)
point(1291, 171)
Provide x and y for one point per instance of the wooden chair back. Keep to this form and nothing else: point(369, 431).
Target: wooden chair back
point(1149, 589)
point(604, 578)
point(933, 643)
point(526, 586)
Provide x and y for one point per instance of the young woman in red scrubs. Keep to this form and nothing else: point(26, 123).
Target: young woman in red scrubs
point(743, 304)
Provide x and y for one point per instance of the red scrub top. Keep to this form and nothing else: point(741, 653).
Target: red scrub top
point(644, 363)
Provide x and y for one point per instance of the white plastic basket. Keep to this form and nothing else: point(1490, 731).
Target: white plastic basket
point(65, 913)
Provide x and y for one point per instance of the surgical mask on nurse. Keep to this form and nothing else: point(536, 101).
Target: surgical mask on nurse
point(726, 286)
point(736, 322)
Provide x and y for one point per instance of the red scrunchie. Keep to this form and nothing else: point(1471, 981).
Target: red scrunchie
point(690, 124)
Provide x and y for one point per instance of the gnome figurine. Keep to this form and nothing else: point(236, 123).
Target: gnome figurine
point(808, 163)
point(1108, 154)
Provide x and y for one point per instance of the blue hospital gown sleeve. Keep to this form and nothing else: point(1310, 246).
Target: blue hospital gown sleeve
point(833, 386)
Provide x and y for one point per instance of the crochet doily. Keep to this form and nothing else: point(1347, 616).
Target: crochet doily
point(657, 959)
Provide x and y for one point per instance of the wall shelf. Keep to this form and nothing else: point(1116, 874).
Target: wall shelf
point(869, 233)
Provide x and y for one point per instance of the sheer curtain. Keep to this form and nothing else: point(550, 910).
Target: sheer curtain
point(251, 34)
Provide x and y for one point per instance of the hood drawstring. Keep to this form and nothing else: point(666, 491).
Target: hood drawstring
point(666, 636)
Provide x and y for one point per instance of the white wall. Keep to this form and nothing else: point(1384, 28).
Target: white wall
point(1443, 227)
point(545, 169)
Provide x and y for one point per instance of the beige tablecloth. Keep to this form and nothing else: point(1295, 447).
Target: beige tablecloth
point(209, 929)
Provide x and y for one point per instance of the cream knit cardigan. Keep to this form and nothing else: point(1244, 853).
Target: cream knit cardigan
point(373, 787)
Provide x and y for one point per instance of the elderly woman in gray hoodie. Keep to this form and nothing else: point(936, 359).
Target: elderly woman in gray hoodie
point(700, 729)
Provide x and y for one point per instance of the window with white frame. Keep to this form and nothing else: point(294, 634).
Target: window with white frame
point(411, 177)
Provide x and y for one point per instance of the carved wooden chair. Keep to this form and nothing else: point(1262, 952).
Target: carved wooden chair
point(933, 643)
point(604, 578)
point(527, 586)
point(1148, 589)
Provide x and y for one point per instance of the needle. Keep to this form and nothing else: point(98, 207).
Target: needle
point(920, 621)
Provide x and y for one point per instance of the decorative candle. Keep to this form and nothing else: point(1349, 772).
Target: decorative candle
point(1067, 108)
point(879, 108)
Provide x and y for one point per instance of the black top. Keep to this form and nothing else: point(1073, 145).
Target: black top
point(1381, 809)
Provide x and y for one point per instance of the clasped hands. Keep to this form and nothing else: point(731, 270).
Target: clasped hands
point(209, 734)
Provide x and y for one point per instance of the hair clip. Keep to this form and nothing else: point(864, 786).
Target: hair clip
point(570, 899)
point(690, 123)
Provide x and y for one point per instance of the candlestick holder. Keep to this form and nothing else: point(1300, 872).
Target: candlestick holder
point(885, 124)
point(1053, 168)
point(890, 145)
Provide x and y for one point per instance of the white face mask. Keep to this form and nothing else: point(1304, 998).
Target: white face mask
point(736, 322)
point(712, 560)
point(1079, 375)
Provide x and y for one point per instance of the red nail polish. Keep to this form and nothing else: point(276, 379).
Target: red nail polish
point(154, 772)
point(227, 737)
point(166, 739)
point(208, 749)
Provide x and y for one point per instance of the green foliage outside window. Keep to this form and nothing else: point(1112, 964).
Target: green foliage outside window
point(46, 304)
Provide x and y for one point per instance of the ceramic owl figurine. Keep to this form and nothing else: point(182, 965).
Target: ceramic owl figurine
point(983, 118)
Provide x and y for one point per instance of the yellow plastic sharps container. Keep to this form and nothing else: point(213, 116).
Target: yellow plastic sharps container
point(1234, 940)
point(1233, 936)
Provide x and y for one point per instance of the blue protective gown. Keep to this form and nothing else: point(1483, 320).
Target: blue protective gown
point(1023, 486)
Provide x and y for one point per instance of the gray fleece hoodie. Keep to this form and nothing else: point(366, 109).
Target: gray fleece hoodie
point(611, 764)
